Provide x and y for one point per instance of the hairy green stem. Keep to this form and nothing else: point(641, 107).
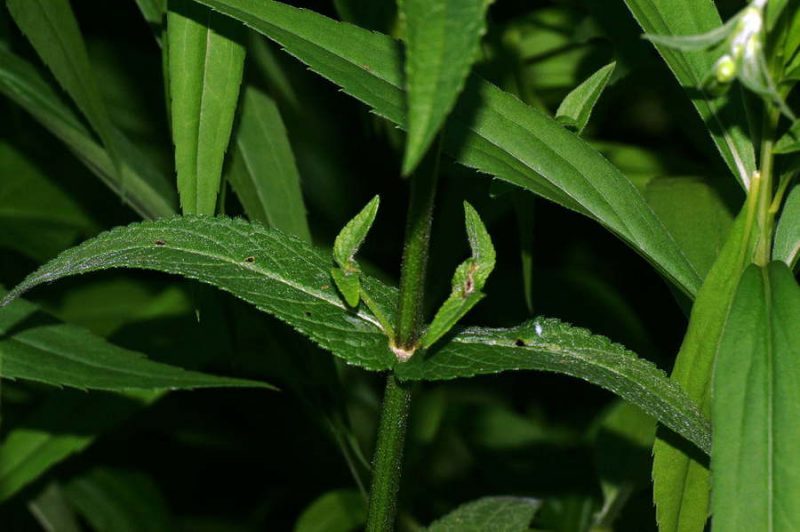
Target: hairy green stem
point(388, 460)
point(766, 216)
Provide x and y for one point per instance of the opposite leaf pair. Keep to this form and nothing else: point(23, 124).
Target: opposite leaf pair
point(468, 279)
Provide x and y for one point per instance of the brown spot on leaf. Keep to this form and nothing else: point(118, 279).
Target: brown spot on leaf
point(250, 259)
point(160, 242)
point(519, 342)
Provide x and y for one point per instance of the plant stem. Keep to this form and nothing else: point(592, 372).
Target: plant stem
point(387, 464)
point(415, 256)
point(388, 461)
point(766, 216)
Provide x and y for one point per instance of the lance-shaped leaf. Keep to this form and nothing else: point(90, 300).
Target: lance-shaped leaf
point(577, 106)
point(551, 345)
point(145, 190)
point(468, 280)
point(277, 273)
point(786, 247)
point(756, 405)
point(36, 348)
point(442, 38)
point(51, 27)
point(680, 478)
point(206, 60)
point(724, 115)
point(263, 170)
point(506, 514)
point(489, 130)
point(347, 275)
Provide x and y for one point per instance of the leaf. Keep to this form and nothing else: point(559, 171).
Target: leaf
point(499, 514)
point(51, 27)
point(696, 212)
point(345, 247)
point(352, 235)
point(680, 477)
point(37, 218)
point(725, 115)
point(206, 61)
point(64, 425)
point(115, 500)
point(756, 404)
point(551, 345)
point(576, 108)
point(263, 170)
point(335, 511)
point(147, 192)
point(790, 141)
point(489, 130)
point(468, 279)
point(787, 235)
point(442, 39)
point(36, 349)
point(276, 273)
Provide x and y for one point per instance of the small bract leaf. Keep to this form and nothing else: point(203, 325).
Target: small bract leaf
point(690, 43)
point(468, 280)
point(348, 284)
point(353, 234)
point(576, 108)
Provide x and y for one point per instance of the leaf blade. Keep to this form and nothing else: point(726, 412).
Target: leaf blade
point(501, 514)
point(206, 62)
point(263, 171)
point(442, 38)
point(277, 273)
point(577, 106)
point(550, 345)
point(756, 405)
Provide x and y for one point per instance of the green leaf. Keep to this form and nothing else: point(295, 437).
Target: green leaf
point(115, 500)
point(550, 345)
point(787, 235)
point(263, 170)
point(335, 511)
point(345, 247)
point(790, 141)
point(139, 185)
point(352, 235)
point(756, 404)
point(442, 38)
point(206, 61)
point(468, 280)
point(51, 27)
point(724, 115)
point(277, 273)
point(64, 425)
point(489, 130)
point(695, 212)
point(680, 477)
point(576, 108)
point(36, 349)
point(37, 218)
point(499, 514)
